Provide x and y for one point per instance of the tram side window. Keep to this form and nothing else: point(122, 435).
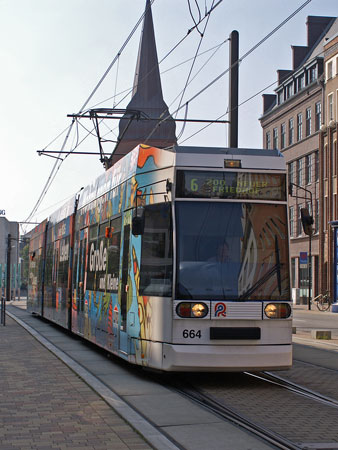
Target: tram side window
point(113, 258)
point(92, 258)
point(49, 264)
point(156, 251)
point(81, 269)
point(63, 262)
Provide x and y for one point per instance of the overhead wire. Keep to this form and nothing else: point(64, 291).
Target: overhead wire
point(58, 163)
point(200, 69)
point(171, 50)
point(59, 160)
point(195, 56)
point(229, 68)
point(227, 112)
point(192, 16)
point(129, 89)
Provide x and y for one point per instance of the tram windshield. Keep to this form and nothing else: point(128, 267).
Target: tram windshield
point(232, 251)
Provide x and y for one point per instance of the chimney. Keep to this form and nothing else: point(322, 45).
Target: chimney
point(316, 25)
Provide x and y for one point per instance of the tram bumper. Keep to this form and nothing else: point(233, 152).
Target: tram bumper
point(227, 358)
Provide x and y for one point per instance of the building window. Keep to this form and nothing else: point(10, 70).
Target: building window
point(300, 82)
point(318, 116)
point(316, 165)
point(291, 218)
point(312, 74)
point(282, 136)
point(300, 171)
point(325, 213)
point(308, 122)
point(299, 126)
point(308, 169)
point(288, 90)
point(333, 158)
point(325, 160)
point(292, 171)
point(299, 220)
point(330, 107)
point(280, 97)
point(329, 71)
point(268, 140)
point(291, 131)
point(275, 138)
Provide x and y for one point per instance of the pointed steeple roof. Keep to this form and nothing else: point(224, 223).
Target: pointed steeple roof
point(147, 98)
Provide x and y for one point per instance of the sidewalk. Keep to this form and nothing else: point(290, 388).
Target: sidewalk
point(44, 405)
point(305, 320)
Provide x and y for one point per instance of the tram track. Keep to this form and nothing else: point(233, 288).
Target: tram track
point(205, 397)
point(230, 415)
point(296, 388)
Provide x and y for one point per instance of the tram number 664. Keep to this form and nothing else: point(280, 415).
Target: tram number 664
point(192, 334)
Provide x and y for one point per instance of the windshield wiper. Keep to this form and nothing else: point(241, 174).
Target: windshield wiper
point(267, 275)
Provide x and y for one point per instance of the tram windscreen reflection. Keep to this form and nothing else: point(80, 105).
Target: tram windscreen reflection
point(235, 251)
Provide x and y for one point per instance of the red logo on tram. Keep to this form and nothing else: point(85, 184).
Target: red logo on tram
point(220, 309)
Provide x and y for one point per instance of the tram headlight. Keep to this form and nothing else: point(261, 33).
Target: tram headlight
point(199, 310)
point(192, 310)
point(277, 310)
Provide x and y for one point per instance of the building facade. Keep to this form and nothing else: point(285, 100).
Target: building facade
point(291, 122)
point(329, 171)
point(11, 229)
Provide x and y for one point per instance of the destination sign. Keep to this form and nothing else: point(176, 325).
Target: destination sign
point(230, 185)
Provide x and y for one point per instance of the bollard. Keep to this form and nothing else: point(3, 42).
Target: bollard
point(321, 334)
point(3, 312)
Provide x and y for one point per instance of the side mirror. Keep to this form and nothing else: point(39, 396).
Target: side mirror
point(137, 226)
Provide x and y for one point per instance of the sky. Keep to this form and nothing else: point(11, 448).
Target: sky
point(54, 52)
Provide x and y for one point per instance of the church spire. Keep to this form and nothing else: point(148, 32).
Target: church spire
point(147, 99)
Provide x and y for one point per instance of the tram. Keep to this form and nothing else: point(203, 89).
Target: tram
point(174, 259)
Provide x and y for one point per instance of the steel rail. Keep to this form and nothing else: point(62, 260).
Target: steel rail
point(294, 387)
point(230, 415)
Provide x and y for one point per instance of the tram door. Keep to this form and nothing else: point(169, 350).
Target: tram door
point(80, 277)
point(123, 341)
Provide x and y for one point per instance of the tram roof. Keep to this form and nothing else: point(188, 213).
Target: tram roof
point(226, 151)
point(134, 163)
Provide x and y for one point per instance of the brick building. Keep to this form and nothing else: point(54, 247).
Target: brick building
point(291, 121)
point(329, 171)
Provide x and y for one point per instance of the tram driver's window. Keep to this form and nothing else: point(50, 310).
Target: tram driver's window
point(156, 252)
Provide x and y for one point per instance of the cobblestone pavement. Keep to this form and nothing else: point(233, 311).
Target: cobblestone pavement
point(44, 405)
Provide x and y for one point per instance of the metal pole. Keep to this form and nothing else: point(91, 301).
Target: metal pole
point(2, 309)
point(233, 89)
point(8, 283)
point(310, 274)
